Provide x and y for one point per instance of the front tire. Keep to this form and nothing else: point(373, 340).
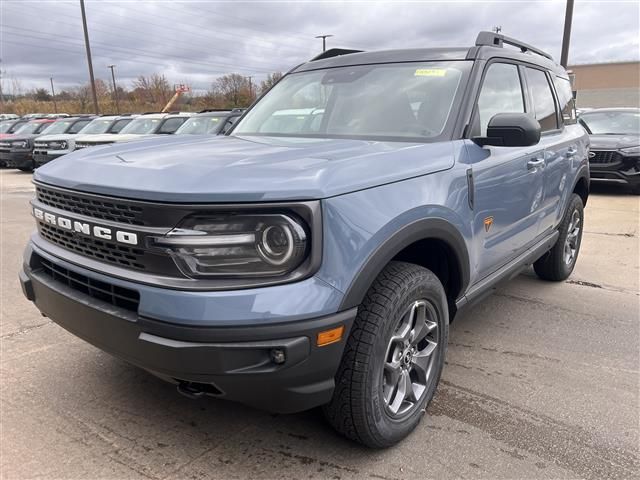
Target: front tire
point(393, 358)
point(557, 264)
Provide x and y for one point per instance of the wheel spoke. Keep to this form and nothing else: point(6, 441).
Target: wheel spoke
point(400, 392)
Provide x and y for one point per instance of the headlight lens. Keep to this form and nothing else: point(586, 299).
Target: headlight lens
point(630, 151)
point(234, 245)
point(20, 144)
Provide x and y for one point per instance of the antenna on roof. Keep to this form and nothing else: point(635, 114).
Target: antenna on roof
point(497, 29)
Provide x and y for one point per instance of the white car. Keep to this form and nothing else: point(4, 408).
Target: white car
point(144, 126)
point(51, 146)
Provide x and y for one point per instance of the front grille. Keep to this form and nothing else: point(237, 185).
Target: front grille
point(117, 296)
point(112, 210)
point(604, 157)
point(94, 248)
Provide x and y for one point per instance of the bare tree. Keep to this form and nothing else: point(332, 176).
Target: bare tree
point(233, 89)
point(270, 81)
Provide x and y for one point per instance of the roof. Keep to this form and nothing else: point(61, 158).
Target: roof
point(488, 45)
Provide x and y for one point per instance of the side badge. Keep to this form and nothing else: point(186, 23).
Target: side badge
point(487, 223)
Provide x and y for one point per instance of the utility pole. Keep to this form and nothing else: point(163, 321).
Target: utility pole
point(88, 48)
point(53, 96)
point(324, 41)
point(250, 88)
point(1, 94)
point(115, 89)
point(568, 18)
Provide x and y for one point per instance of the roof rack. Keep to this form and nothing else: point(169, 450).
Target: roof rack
point(492, 39)
point(207, 110)
point(334, 52)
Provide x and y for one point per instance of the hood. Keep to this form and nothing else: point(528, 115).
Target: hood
point(7, 135)
point(111, 137)
point(205, 168)
point(613, 142)
point(30, 136)
point(56, 138)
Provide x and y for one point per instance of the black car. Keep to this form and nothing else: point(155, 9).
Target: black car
point(210, 122)
point(615, 145)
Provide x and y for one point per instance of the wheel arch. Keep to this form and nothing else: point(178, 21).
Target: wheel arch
point(581, 185)
point(418, 242)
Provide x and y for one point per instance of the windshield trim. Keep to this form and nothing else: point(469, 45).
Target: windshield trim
point(447, 132)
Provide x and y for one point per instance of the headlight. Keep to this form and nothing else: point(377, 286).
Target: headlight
point(58, 145)
point(237, 245)
point(630, 151)
point(20, 144)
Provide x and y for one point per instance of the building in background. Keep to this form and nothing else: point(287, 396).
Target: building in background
point(615, 84)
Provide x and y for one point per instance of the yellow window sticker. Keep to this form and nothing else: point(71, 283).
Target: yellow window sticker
point(431, 72)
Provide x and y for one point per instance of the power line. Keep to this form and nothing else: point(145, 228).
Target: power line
point(104, 47)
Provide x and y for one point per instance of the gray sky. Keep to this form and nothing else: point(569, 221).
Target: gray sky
point(196, 41)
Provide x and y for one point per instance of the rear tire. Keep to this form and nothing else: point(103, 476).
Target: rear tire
point(393, 358)
point(557, 264)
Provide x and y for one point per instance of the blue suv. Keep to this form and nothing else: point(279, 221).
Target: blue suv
point(316, 254)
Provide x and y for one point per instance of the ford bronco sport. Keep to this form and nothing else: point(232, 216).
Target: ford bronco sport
point(320, 262)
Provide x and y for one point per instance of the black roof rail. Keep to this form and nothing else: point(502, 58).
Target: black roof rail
point(492, 39)
point(207, 110)
point(238, 110)
point(334, 52)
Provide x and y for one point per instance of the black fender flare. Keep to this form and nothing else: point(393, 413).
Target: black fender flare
point(422, 229)
point(582, 173)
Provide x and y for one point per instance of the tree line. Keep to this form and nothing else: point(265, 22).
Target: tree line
point(147, 94)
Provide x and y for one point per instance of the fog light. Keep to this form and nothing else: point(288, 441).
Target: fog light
point(277, 356)
point(330, 336)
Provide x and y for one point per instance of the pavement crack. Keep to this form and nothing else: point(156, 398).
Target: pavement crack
point(529, 432)
point(609, 234)
point(24, 330)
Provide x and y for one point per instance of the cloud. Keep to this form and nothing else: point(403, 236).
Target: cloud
point(196, 41)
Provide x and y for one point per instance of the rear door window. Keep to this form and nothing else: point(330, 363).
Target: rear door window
point(544, 105)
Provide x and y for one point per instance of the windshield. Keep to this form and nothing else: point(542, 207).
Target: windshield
point(58, 127)
point(5, 126)
point(140, 126)
point(200, 125)
point(97, 126)
point(612, 123)
point(386, 102)
point(32, 127)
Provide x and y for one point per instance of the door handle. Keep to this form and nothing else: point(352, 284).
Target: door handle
point(535, 163)
point(572, 151)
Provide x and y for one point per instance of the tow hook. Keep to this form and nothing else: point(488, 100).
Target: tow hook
point(190, 390)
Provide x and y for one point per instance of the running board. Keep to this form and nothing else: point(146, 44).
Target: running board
point(484, 287)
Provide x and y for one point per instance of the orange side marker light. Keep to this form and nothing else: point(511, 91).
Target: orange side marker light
point(330, 336)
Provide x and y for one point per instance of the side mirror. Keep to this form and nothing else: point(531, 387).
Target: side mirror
point(511, 130)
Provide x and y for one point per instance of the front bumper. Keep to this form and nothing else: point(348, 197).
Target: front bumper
point(42, 157)
point(625, 172)
point(22, 159)
point(235, 362)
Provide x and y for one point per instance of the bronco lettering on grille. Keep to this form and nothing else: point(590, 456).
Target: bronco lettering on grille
point(105, 233)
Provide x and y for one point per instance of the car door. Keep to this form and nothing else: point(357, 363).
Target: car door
point(507, 181)
point(560, 144)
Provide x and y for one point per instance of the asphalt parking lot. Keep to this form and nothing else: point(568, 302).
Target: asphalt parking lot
point(542, 381)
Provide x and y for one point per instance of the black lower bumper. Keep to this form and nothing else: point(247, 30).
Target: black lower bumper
point(40, 158)
point(623, 173)
point(238, 363)
point(22, 160)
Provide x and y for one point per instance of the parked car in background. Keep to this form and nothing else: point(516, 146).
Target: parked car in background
point(320, 267)
point(49, 147)
point(614, 156)
point(212, 122)
point(9, 127)
point(141, 127)
point(8, 116)
point(16, 150)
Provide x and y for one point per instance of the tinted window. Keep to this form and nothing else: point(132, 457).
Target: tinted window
point(76, 127)
point(544, 105)
point(172, 124)
point(565, 98)
point(119, 125)
point(501, 93)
